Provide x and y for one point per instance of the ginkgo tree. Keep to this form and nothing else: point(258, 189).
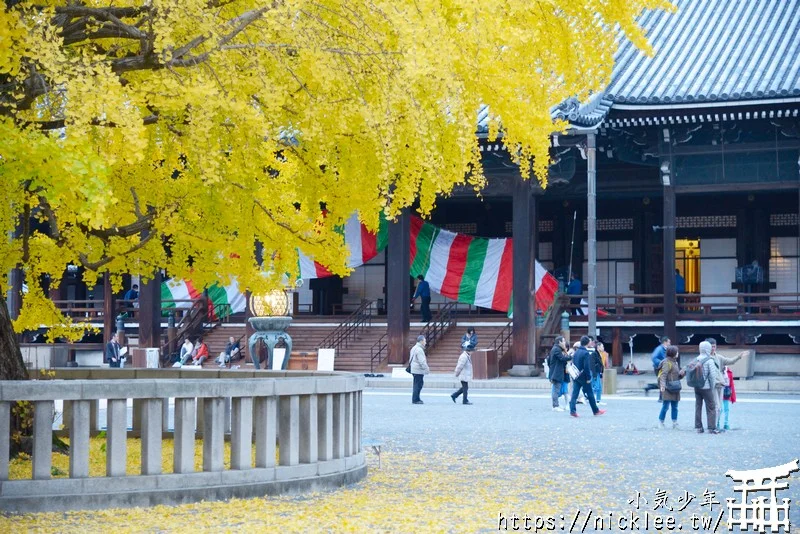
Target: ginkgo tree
point(141, 135)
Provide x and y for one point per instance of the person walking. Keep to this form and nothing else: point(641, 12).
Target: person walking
point(464, 373)
point(582, 382)
point(706, 393)
point(424, 293)
point(721, 362)
point(469, 340)
point(669, 383)
point(113, 351)
point(599, 362)
point(557, 364)
point(419, 368)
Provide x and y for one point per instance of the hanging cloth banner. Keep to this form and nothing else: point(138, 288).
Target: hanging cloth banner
point(467, 269)
point(222, 301)
point(471, 270)
point(362, 244)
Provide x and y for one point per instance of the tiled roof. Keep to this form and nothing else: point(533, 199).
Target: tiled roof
point(712, 51)
point(709, 51)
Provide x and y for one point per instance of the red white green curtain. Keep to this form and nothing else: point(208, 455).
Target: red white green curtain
point(467, 269)
point(222, 300)
point(472, 270)
point(362, 244)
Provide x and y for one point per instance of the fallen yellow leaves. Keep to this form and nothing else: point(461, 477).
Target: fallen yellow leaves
point(436, 492)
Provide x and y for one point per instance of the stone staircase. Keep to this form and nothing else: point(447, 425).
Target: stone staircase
point(444, 356)
point(355, 357)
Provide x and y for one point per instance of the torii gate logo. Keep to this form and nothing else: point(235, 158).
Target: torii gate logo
point(757, 512)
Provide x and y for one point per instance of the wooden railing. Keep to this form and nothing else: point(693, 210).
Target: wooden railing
point(442, 322)
point(692, 306)
point(349, 329)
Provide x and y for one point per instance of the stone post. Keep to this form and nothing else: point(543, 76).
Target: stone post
point(183, 460)
point(79, 439)
point(42, 439)
point(116, 437)
point(241, 432)
point(338, 425)
point(152, 423)
point(289, 435)
point(266, 423)
point(214, 433)
point(308, 429)
point(325, 426)
point(5, 442)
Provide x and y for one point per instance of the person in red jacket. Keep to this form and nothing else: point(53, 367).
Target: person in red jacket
point(201, 354)
point(728, 398)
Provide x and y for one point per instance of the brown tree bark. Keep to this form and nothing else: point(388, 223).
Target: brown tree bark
point(11, 365)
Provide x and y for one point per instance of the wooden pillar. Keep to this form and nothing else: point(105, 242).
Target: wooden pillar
point(639, 250)
point(398, 288)
point(109, 309)
point(150, 312)
point(591, 227)
point(668, 231)
point(616, 347)
point(523, 223)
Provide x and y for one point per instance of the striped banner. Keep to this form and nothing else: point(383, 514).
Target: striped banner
point(472, 270)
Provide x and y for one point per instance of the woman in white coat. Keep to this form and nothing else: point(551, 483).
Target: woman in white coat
point(464, 374)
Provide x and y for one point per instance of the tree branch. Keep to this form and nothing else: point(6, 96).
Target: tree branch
point(93, 266)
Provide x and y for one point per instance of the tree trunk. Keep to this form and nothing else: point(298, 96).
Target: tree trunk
point(11, 365)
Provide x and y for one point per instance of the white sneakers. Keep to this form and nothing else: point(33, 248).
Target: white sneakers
point(558, 409)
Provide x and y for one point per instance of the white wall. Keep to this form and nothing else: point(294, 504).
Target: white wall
point(717, 269)
point(784, 267)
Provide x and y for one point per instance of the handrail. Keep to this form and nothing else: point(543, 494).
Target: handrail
point(502, 342)
point(350, 327)
point(441, 323)
point(376, 352)
point(187, 327)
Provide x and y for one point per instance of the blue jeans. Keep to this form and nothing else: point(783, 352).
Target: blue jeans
point(726, 410)
point(667, 404)
point(597, 387)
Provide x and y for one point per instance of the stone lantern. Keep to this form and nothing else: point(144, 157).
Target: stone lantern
point(270, 320)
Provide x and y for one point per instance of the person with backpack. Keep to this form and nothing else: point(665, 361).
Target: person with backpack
point(557, 362)
point(669, 383)
point(464, 373)
point(582, 382)
point(659, 353)
point(703, 375)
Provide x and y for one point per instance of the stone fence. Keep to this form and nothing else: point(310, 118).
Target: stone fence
point(313, 419)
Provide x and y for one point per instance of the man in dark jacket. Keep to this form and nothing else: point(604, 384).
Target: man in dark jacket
point(557, 361)
point(583, 362)
point(112, 351)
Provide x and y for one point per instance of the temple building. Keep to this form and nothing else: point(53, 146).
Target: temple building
point(673, 196)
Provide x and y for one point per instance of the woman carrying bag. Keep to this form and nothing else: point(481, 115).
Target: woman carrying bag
point(669, 382)
point(464, 373)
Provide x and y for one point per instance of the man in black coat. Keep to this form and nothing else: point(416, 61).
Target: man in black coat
point(582, 361)
point(557, 361)
point(112, 351)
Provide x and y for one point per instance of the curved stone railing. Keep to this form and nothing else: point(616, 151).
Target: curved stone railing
point(314, 419)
